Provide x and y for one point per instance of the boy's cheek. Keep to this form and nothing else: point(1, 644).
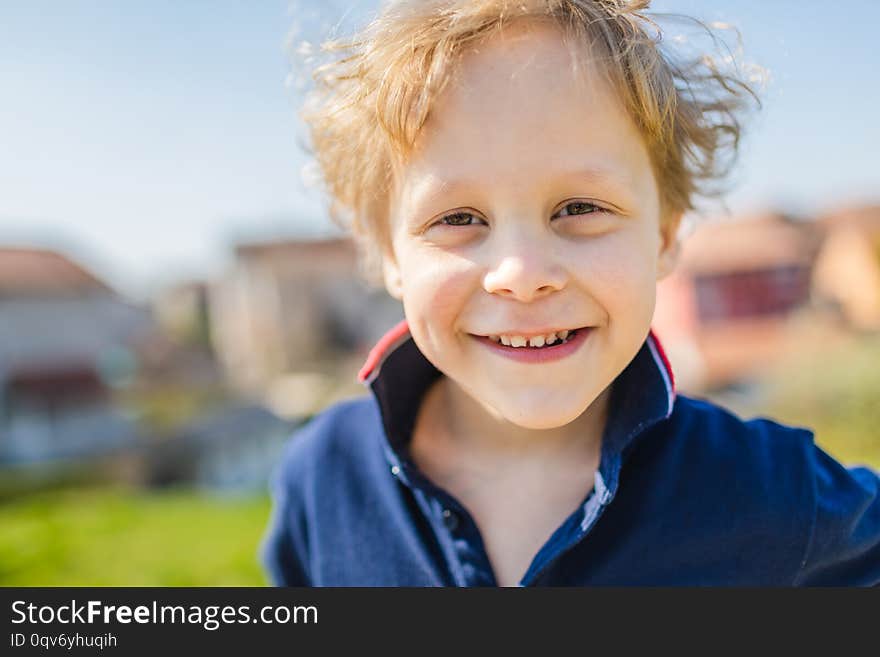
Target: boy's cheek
point(618, 270)
point(437, 292)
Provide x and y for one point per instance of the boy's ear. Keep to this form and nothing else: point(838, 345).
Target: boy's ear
point(391, 275)
point(670, 246)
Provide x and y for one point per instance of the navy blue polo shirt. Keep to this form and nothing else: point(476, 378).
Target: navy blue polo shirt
point(686, 494)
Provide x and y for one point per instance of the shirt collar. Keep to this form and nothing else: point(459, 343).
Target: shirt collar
point(399, 374)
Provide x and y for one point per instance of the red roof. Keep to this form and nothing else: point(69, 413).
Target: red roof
point(25, 271)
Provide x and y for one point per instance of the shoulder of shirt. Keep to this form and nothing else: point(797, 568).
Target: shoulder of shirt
point(814, 518)
point(761, 453)
point(716, 427)
point(782, 478)
point(758, 473)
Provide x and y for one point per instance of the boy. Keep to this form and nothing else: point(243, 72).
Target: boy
point(519, 172)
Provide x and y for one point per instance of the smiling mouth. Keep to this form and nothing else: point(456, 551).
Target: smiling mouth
point(545, 341)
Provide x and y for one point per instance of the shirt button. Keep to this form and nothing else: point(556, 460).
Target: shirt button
point(450, 519)
point(395, 470)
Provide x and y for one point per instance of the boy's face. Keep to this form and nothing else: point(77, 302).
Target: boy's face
point(528, 206)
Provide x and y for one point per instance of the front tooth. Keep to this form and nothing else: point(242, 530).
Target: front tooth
point(551, 338)
point(517, 341)
point(563, 335)
point(537, 341)
point(505, 340)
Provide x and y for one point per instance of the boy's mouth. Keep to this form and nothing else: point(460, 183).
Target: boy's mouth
point(534, 341)
point(538, 348)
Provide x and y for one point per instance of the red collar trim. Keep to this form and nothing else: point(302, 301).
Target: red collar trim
point(400, 332)
point(665, 360)
point(380, 351)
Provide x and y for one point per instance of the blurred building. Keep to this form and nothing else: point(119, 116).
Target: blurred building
point(286, 310)
point(182, 311)
point(233, 448)
point(735, 299)
point(66, 341)
point(186, 359)
point(848, 266)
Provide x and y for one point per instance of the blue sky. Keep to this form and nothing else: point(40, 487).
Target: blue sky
point(145, 138)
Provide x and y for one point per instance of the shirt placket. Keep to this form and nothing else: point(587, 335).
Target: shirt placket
point(454, 528)
point(460, 540)
point(586, 519)
point(462, 544)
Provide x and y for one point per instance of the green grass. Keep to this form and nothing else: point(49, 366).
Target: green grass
point(121, 537)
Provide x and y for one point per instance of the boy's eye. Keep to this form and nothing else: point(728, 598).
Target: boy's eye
point(578, 207)
point(458, 219)
point(462, 218)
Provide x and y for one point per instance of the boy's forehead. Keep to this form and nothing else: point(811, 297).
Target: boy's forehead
point(517, 107)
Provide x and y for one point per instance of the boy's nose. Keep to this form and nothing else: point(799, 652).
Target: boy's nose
point(525, 275)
